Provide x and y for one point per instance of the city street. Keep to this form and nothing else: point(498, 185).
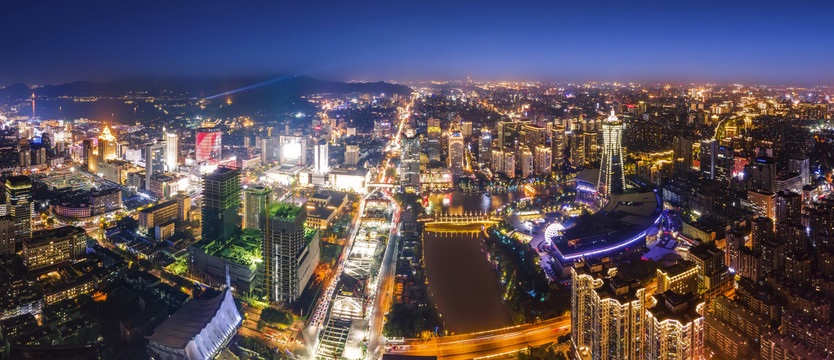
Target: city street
point(486, 343)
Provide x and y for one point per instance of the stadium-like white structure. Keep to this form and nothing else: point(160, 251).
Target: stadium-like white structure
point(198, 330)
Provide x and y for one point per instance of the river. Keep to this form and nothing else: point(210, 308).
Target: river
point(463, 284)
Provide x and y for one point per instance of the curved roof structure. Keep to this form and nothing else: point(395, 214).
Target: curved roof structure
point(198, 329)
point(622, 222)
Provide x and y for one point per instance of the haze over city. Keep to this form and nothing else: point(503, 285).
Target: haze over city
point(594, 180)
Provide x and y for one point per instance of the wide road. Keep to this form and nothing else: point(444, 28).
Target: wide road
point(385, 280)
point(385, 287)
point(487, 343)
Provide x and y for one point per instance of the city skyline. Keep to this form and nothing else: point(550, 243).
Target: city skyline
point(508, 180)
point(739, 42)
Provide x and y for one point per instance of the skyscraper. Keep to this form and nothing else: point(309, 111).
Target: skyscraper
point(607, 316)
point(527, 163)
point(675, 328)
point(485, 147)
point(410, 161)
point(255, 202)
point(289, 261)
point(611, 176)
point(19, 198)
point(800, 164)
point(171, 149)
point(456, 153)
point(557, 144)
point(154, 162)
point(322, 158)
point(221, 200)
point(209, 146)
point(543, 159)
point(107, 145)
point(682, 155)
point(709, 150)
point(509, 163)
point(577, 149)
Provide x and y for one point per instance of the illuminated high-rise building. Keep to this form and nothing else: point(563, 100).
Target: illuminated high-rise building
point(531, 135)
point(543, 159)
point(290, 262)
point(709, 152)
point(527, 163)
point(255, 202)
point(675, 328)
point(322, 158)
point(506, 134)
point(509, 163)
point(19, 200)
point(410, 161)
point(497, 161)
point(456, 153)
point(558, 139)
point(611, 176)
point(171, 149)
point(607, 316)
point(154, 162)
point(209, 146)
point(577, 149)
point(682, 154)
point(485, 147)
point(107, 145)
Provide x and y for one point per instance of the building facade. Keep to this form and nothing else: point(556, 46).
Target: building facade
point(221, 200)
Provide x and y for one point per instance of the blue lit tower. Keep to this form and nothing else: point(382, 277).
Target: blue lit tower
point(611, 177)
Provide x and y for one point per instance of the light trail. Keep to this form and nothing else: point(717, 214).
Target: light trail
point(263, 83)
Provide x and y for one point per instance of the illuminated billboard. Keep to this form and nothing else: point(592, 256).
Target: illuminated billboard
point(209, 145)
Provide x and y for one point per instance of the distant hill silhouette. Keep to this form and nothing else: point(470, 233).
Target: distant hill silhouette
point(267, 98)
point(292, 86)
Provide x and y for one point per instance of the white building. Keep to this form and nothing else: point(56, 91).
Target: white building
point(198, 330)
point(543, 156)
point(527, 167)
point(171, 149)
point(322, 158)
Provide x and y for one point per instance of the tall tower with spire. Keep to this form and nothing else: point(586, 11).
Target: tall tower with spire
point(611, 177)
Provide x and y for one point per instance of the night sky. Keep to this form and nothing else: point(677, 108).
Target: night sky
point(788, 42)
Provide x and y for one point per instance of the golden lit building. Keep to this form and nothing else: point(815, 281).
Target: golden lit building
point(157, 214)
point(675, 328)
point(607, 316)
point(54, 246)
point(107, 145)
point(681, 278)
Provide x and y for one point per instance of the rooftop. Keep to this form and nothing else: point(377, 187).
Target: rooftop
point(189, 321)
point(674, 306)
point(43, 236)
point(158, 206)
point(283, 210)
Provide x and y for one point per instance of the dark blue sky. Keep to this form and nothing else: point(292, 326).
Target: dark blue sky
point(787, 42)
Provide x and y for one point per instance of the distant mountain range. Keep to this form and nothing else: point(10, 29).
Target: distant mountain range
point(283, 86)
point(268, 98)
